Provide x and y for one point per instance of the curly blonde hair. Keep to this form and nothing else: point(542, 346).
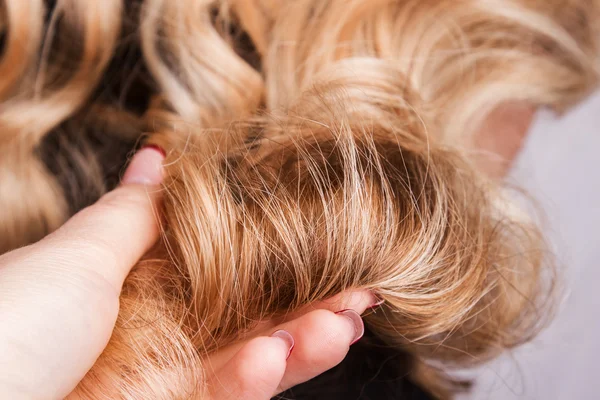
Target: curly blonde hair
point(313, 147)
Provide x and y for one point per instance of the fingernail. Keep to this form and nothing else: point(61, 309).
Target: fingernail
point(155, 147)
point(146, 167)
point(287, 338)
point(357, 323)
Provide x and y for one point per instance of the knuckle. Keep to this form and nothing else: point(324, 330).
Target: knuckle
point(98, 285)
point(92, 248)
point(113, 205)
point(259, 367)
point(125, 198)
point(333, 339)
point(90, 258)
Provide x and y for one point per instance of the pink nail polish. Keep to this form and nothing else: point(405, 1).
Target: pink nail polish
point(287, 338)
point(145, 167)
point(357, 323)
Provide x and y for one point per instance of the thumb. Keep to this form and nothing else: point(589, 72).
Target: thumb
point(59, 297)
point(111, 235)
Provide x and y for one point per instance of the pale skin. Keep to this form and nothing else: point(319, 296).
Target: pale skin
point(501, 136)
point(59, 298)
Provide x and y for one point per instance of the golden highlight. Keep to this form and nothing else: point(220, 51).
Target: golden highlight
point(45, 79)
point(343, 160)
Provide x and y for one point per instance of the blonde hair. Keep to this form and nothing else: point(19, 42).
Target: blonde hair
point(342, 162)
point(46, 77)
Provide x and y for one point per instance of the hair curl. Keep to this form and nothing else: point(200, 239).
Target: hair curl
point(313, 147)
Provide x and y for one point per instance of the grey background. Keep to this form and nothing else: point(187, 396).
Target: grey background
point(559, 167)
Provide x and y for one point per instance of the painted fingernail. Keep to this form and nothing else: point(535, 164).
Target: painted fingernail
point(287, 338)
point(157, 148)
point(146, 167)
point(357, 323)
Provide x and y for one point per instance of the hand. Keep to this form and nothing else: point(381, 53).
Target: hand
point(59, 300)
point(305, 346)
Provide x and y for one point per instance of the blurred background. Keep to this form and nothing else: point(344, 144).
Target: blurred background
point(558, 166)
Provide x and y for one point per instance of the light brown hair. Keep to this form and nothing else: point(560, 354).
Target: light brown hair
point(341, 161)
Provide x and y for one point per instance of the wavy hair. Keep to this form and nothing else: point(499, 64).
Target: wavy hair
point(313, 147)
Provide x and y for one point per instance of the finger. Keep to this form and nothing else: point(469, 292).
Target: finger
point(322, 340)
point(358, 300)
point(255, 372)
point(108, 237)
point(59, 297)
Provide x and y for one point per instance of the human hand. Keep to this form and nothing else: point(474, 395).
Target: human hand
point(59, 300)
point(309, 343)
